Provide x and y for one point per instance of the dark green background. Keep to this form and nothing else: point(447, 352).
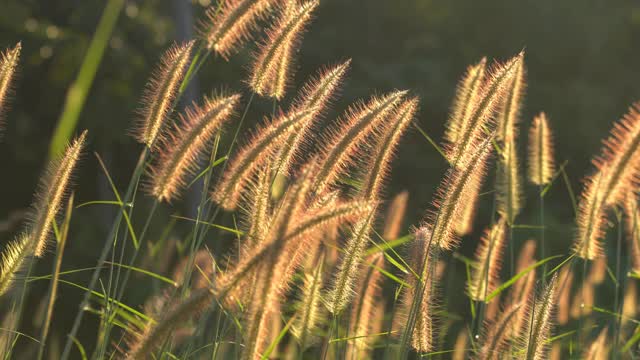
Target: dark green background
point(582, 59)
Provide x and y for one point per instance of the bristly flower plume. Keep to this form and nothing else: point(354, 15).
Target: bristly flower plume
point(466, 98)
point(346, 138)
point(534, 341)
point(485, 275)
point(262, 147)
point(230, 23)
point(541, 161)
point(12, 260)
point(161, 91)
point(481, 118)
point(459, 188)
point(315, 96)
point(50, 196)
point(8, 65)
point(632, 221)
point(271, 69)
point(618, 167)
point(181, 147)
point(384, 149)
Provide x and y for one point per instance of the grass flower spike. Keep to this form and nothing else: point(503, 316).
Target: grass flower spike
point(541, 161)
point(231, 22)
point(161, 91)
point(466, 98)
point(315, 96)
point(12, 259)
point(181, 148)
point(618, 167)
point(346, 138)
point(50, 197)
point(485, 275)
point(271, 69)
point(8, 65)
point(535, 343)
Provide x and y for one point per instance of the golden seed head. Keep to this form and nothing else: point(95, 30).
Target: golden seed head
point(50, 196)
point(344, 142)
point(466, 97)
point(8, 66)
point(485, 274)
point(541, 160)
point(181, 146)
point(231, 22)
point(272, 66)
point(161, 91)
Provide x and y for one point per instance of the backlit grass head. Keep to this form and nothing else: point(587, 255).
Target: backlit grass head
point(50, 197)
point(271, 69)
point(8, 66)
point(230, 23)
point(181, 147)
point(541, 160)
point(161, 91)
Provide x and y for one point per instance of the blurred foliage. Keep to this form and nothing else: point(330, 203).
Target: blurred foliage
point(582, 59)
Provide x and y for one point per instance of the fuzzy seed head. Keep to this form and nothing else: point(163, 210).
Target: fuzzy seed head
point(231, 22)
point(346, 139)
point(459, 188)
point(481, 119)
point(161, 91)
point(485, 275)
point(591, 218)
point(272, 66)
point(599, 348)
point(315, 96)
point(8, 66)
point(384, 148)
point(467, 94)
point(182, 147)
point(50, 196)
point(365, 307)
point(541, 160)
point(262, 147)
point(621, 157)
point(12, 259)
point(535, 339)
point(509, 197)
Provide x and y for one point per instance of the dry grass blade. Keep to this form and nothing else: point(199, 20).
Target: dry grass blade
point(271, 69)
point(230, 23)
point(180, 149)
point(160, 93)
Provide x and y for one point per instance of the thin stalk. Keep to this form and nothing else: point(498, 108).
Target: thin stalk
point(139, 169)
point(619, 304)
point(53, 288)
point(542, 233)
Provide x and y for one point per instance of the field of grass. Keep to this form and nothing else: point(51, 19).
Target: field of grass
point(311, 257)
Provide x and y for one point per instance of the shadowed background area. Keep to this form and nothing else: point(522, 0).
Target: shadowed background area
point(582, 70)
